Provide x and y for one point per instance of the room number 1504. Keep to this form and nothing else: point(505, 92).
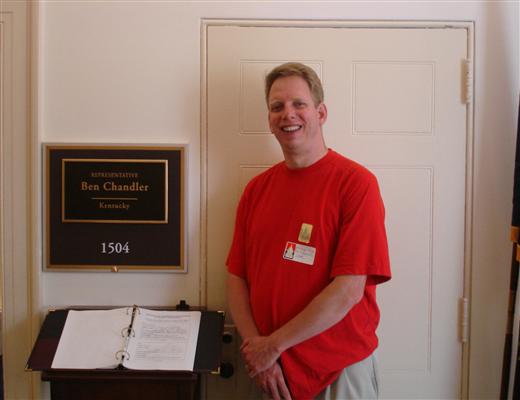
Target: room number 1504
point(115, 247)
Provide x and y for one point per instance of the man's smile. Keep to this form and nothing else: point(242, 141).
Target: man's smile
point(291, 128)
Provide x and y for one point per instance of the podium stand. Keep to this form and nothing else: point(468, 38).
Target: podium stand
point(125, 384)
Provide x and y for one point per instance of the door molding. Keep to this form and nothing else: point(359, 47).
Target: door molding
point(468, 235)
point(17, 246)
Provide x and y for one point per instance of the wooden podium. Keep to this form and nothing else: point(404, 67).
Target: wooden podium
point(125, 384)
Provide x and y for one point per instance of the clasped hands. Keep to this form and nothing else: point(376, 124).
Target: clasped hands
point(260, 356)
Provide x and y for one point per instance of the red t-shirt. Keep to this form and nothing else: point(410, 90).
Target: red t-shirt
point(339, 202)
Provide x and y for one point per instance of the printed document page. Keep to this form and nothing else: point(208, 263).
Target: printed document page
point(91, 338)
point(164, 340)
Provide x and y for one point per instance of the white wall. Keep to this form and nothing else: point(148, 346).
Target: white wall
point(130, 72)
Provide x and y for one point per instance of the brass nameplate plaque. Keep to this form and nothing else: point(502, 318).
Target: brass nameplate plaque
point(114, 207)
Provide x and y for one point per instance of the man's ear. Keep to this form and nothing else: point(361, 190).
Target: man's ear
point(322, 113)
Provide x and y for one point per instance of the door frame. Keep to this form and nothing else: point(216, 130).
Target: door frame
point(18, 248)
point(464, 327)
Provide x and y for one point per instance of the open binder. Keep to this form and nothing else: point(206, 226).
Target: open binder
point(171, 333)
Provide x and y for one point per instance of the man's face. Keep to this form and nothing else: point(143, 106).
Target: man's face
point(294, 119)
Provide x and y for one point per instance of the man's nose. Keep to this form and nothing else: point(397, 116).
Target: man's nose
point(289, 112)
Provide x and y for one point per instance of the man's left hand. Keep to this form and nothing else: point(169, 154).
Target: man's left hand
point(259, 354)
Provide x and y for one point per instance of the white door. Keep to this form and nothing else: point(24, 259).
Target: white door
point(395, 105)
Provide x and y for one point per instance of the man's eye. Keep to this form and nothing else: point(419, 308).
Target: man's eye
point(276, 107)
point(299, 104)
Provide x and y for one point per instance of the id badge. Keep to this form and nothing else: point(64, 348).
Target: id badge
point(299, 253)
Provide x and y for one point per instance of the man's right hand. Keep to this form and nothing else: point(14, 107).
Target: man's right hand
point(272, 382)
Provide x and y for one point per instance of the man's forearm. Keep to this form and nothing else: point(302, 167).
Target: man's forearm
point(324, 311)
point(271, 381)
point(239, 306)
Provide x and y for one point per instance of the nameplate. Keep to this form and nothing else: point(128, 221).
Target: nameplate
point(114, 207)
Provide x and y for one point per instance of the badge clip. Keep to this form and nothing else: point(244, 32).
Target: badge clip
point(305, 233)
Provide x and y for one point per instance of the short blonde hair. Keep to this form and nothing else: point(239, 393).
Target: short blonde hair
point(296, 69)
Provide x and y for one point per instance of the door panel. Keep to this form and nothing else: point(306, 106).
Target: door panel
point(394, 101)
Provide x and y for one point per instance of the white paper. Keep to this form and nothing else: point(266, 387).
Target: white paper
point(165, 340)
point(91, 338)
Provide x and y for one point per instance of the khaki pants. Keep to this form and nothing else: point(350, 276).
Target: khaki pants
point(357, 381)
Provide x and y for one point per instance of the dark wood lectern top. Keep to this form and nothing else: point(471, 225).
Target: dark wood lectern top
point(207, 355)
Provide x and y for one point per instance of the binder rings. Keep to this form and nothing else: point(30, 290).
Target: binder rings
point(206, 357)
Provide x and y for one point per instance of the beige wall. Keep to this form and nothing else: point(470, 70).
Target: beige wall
point(130, 72)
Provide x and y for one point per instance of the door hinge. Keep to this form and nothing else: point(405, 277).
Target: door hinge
point(467, 81)
point(464, 320)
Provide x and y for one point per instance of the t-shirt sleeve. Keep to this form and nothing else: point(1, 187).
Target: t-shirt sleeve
point(236, 257)
point(362, 247)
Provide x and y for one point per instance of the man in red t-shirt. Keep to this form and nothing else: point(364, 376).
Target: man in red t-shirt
point(308, 251)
